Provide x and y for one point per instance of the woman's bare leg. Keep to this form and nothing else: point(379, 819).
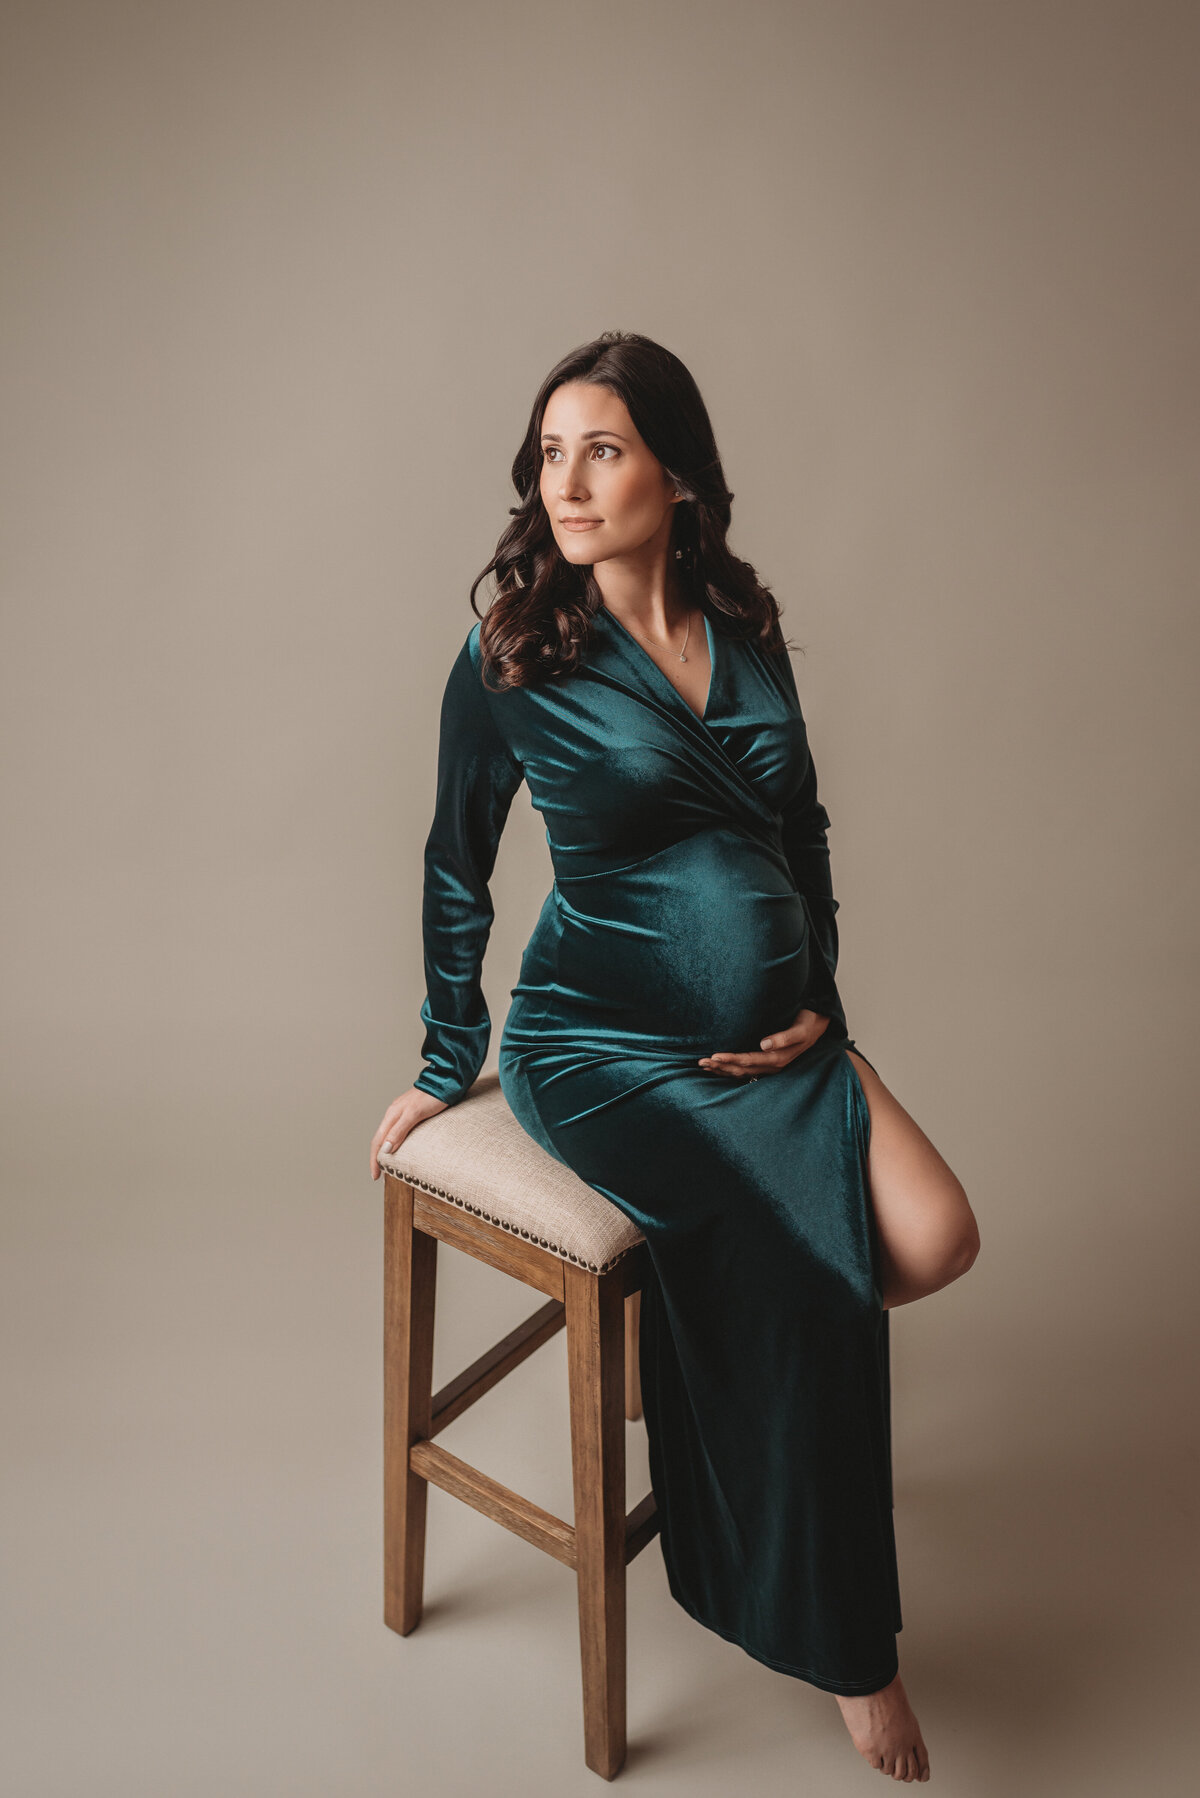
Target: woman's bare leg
point(928, 1235)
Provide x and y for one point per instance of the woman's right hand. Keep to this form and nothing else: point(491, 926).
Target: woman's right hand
point(412, 1107)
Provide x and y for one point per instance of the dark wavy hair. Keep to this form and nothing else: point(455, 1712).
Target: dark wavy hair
point(539, 621)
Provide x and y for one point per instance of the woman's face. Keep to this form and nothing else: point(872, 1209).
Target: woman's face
point(595, 467)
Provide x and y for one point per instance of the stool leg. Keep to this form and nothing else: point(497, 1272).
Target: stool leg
point(410, 1286)
point(595, 1321)
point(633, 1367)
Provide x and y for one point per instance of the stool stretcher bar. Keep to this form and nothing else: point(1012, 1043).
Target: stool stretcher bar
point(541, 1528)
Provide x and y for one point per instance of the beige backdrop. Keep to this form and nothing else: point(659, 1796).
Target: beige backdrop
point(280, 281)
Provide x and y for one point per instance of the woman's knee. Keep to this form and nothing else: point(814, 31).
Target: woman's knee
point(964, 1245)
point(967, 1241)
point(921, 1203)
point(959, 1234)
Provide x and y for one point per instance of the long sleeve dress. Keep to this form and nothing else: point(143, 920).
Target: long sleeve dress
point(691, 911)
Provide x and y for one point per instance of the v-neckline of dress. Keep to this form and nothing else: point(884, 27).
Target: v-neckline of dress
point(710, 634)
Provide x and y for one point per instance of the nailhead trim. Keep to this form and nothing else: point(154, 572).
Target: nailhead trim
point(543, 1242)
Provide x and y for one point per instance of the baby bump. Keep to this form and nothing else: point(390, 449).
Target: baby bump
point(707, 939)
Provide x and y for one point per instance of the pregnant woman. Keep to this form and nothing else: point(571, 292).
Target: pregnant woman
point(676, 1035)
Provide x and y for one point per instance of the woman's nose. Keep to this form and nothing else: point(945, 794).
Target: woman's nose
point(572, 485)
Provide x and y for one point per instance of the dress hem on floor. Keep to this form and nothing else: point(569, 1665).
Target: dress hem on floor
point(846, 1688)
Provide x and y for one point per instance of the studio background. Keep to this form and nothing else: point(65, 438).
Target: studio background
point(279, 283)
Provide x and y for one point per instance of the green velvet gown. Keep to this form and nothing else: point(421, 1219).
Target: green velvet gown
point(691, 911)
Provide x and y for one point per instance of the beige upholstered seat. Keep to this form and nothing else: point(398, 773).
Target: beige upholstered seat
point(477, 1156)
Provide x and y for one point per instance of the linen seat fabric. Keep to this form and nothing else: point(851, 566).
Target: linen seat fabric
point(480, 1158)
point(692, 910)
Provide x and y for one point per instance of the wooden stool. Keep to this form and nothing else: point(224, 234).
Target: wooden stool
point(471, 1177)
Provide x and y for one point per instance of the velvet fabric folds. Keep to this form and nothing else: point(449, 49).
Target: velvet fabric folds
point(692, 910)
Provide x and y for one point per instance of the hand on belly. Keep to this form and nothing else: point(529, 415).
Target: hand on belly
point(773, 1053)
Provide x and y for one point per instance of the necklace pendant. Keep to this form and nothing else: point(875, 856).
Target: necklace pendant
point(682, 657)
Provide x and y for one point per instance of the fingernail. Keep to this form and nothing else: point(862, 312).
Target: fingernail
point(765, 1043)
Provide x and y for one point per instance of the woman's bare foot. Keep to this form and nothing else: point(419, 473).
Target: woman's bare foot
point(886, 1733)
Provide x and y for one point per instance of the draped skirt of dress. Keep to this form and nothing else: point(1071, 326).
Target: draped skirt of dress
point(692, 911)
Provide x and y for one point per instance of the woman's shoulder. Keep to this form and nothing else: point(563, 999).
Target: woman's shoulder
point(473, 647)
point(468, 657)
point(464, 685)
point(468, 675)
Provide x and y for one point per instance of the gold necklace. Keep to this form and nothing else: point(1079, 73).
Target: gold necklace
point(687, 633)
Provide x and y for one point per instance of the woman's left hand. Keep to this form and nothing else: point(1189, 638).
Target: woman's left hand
point(775, 1051)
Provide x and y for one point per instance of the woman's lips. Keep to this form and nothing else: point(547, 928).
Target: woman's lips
point(581, 524)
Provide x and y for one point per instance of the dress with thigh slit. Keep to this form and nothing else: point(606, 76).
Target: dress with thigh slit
point(692, 910)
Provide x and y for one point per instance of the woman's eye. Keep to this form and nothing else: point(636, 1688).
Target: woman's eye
point(549, 450)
